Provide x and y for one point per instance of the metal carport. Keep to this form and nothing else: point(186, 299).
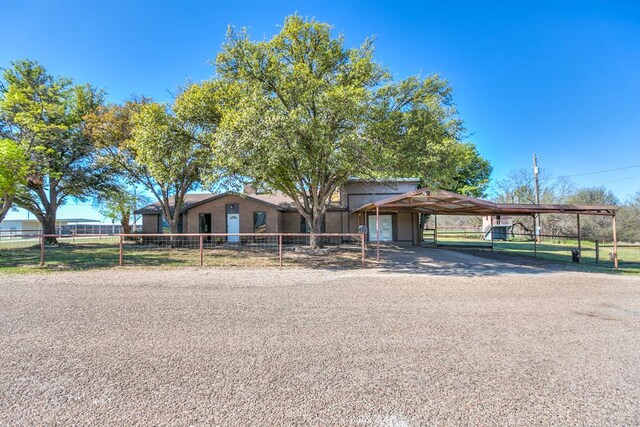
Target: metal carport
point(442, 202)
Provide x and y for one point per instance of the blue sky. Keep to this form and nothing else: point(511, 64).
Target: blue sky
point(561, 79)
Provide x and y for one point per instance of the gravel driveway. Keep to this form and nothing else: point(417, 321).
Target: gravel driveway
point(318, 347)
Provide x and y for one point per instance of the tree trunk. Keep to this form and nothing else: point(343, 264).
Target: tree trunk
point(125, 225)
point(49, 227)
point(315, 226)
point(7, 201)
point(173, 224)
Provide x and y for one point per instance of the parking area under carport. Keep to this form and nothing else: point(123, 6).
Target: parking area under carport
point(446, 262)
point(426, 202)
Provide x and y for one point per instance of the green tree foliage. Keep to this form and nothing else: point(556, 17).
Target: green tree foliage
point(417, 132)
point(301, 113)
point(629, 220)
point(294, 111)
point(118, 204)
point(594, 227)
point(518, 187)
point(13, 173)
point(148, 144)
point(44, 115)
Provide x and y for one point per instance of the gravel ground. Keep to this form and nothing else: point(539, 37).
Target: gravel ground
point(318, 347)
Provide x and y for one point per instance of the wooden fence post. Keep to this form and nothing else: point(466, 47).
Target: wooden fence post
point(120, 250)
point(201, 250)
point(597, 251)
point(280, 249)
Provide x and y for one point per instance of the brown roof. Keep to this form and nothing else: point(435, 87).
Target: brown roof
point(447, 203)
point(189, 201)
point(277, 200)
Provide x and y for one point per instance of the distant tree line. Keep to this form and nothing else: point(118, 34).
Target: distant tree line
point(518, 187)
point(299, 113)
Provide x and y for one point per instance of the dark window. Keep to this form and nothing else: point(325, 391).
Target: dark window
point(205, 223)
point(180, 223)
point(160, 223)
point(259, 222)
point(305, 228)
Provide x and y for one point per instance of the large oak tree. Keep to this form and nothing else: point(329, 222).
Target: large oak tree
point(13, 173)
point(44, 115)
point(301, 113)
point(153, 145)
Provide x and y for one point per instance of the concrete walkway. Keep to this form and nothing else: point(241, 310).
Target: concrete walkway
point(419, 260)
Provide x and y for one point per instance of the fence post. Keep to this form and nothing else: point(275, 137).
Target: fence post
point(362, 246)
point(597, 251)
point(535, 247)
point(120, 250)
point(579, 238)
point(615, 241)
point(41, 250)
point(280, 249)
point(491, 231)
point(201, 250)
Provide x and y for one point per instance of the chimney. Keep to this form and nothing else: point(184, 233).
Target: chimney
point(249, 189)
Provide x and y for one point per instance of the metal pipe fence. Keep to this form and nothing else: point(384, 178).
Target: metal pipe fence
point(555, 247)
point(204, 249)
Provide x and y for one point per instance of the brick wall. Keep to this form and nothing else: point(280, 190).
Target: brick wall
point(290, 222)
point(219, 219)
point(150, 223)
point(405, 226)
point(335, 222)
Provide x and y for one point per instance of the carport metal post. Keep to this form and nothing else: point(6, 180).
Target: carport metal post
point(491, 230)
point(615, 241)
point(378, 233)
point(535, 241)
point(362, 249)
point(435, 230)
point(579, 238)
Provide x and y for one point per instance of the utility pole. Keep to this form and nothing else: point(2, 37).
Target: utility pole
point(538, 229)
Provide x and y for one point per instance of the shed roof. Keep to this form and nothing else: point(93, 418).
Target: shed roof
point(444, 202)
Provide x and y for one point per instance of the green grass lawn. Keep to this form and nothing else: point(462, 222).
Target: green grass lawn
point(86, 254)
point(93, 253)
point(552, 250)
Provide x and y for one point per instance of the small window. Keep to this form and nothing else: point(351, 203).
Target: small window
point(335, 197)
point(259, 222)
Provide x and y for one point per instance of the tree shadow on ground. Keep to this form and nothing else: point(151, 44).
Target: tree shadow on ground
point(448, 262)
point(393, 259)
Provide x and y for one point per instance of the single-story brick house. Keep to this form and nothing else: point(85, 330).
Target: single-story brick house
point(249, 212)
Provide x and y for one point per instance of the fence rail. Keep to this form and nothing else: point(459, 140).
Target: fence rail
point(554, 247)
point(133, 247)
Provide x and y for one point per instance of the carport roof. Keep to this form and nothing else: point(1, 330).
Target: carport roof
point(444, 202)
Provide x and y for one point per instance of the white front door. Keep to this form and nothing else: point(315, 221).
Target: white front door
point(386, 228)
point(233, 226)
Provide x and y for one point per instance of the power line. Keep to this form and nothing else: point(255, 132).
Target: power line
point(604, 171)
point(622, 179)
